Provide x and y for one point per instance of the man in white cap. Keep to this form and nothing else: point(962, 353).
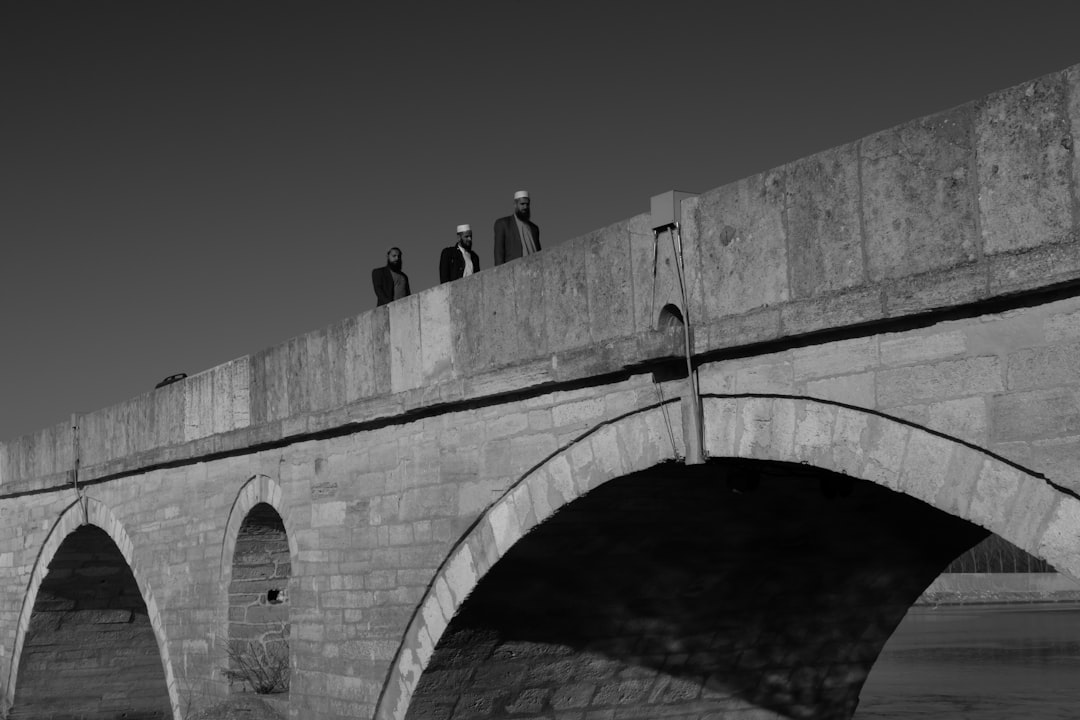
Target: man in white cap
point(516, 235)
point(459, 260)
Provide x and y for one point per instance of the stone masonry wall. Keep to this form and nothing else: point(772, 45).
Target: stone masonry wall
point(1008, 382)
point(974, 203)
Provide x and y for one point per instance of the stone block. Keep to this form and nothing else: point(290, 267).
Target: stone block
point(610, 287)
point(736, 330)
point(842, 357)
point(468, 323)
point(1044, 366)
point(406, 370)
point(1050, 412)
point(938, 289)
point(855, 390)
point(813, 434)
point(1035, 268)
point(925, 464)
point(1024, 165)
point(919, 196)
point(740, 246)
point(499, 312)
point(755, 426)
point(531, 306)
point(1030, 513)
point(775, 376)
point(436, 334)
point(884, 447)
point(995, 491)
point(921, 346)
point(963, 418)
point(1057, 544)
point(566, 296)
point(1058, 459)
point(822, 212)
point(848, 307)
point(1062, 326)
point(847, 440)
point(937, 381)
point(1072, 78)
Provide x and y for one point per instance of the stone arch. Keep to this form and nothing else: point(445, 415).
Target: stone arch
point(257, 489)
point(258, 602)
point(90, 512)
point(984, 489)
point(634, 442)
point(951, 475)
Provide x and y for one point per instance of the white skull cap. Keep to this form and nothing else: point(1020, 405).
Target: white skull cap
point(521, 194)
point(463, 228)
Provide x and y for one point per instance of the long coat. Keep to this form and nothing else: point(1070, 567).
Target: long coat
point(383, 281)
point(508, 239)
point(452, 264)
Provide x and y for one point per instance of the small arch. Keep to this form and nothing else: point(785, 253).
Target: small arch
point(77, 528)
point(670, 317)
point(256, 569)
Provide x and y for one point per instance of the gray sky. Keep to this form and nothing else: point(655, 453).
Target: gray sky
point(185, 183)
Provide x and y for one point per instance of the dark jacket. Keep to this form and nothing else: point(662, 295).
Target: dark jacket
point(508, 239)
point(452, 265)
point(383, 280)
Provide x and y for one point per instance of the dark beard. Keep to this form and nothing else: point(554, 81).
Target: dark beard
point(396, 266)
point(522, 214)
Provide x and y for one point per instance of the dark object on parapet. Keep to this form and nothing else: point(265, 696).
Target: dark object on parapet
point(170, 380)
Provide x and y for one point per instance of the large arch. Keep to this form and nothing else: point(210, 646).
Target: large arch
point(89, 512)
point(960, 480)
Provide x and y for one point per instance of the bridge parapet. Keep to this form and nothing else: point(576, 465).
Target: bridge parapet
point(974, 203)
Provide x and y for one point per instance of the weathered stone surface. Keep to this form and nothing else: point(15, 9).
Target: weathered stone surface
point(566, 291)
point(1034, 414)
point(610, 286)
point(919, 196)
point(822, 219)
point(1024, 156)
point(936, 381)
point(739, 234)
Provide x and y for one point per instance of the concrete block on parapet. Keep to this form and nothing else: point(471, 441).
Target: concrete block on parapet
point(610, 286)
point(919, 193)
point(566, 296)
point(467, 323)
point(530, 302)
point(1025, 152)
point(823, 227)
point(499, 343)
point(436, 335)
point(406, 371)
point(741, 251)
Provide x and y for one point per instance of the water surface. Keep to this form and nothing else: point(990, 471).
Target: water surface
point(989, 662)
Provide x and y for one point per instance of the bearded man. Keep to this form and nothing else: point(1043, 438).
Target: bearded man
point(459, 260)
point(516, 235)
point(390, 283)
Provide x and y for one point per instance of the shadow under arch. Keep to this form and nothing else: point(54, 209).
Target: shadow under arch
point(949, 475)
point(74, 517)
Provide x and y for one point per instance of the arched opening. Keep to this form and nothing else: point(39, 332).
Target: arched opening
point(258, 647)
point(90, 650)
point(670, 317)
point(734, 588)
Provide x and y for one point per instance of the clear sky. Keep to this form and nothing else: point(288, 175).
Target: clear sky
point(184, 183)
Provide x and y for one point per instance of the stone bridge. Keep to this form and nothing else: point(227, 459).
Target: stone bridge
point(505, 497)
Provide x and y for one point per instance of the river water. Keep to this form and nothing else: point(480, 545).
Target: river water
point(988, 662)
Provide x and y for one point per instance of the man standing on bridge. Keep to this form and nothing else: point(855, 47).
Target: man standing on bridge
point(390, 283)
point(516, 235)
point(458, 260)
